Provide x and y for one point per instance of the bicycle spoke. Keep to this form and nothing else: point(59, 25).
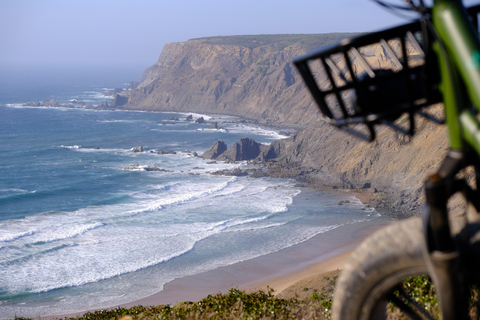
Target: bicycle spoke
point(405, 308)
point(419, 307)
point(410, 309)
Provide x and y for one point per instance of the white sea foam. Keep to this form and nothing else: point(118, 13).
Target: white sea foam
point(16, 191)
point(250, 225)
point(357, 203)
point(8, 237)
point(213, 129)
point(16, 105)
point(79, 148)
point(23, 106)
point(124, 121)
point(192, 131)
point(153, 192)
point(236, 128)
point(96, 95)
point(188, 193)
point(195, 116)
point(79, 272)
point(233, 124)
point(65, 232)
point(232, 190)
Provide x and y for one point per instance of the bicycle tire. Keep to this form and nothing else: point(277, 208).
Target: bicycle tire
point(376, 267)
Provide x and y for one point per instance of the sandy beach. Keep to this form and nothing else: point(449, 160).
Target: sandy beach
point(278, 270)
point(284, 271)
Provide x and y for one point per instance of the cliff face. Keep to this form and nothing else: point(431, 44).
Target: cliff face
point(395, 164)
point(252, 76)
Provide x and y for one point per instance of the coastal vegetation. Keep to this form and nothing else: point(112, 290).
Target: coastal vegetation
point(235, 304)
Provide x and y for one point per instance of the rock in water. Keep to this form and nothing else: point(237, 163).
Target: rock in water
point(244, 149)
point(137, 149)
point(118, 101)
point(216, 150)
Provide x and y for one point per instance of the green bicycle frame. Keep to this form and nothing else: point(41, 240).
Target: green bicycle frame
point(459, 56)
point(458, 52)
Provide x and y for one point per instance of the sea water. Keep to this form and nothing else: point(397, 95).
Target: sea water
point(83, 225)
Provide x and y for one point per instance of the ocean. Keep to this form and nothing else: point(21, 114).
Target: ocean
point(83, 225)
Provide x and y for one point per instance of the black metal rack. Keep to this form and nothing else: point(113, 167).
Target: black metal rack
point(356, 95)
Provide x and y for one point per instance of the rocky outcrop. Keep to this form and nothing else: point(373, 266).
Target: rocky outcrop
point(216, 150)
point(46, 103)
point(137, 149)
point(244, 149)
point(166, 152)
point(118, 101)
point(78, 104)
point(237, 172)
point(55, 104)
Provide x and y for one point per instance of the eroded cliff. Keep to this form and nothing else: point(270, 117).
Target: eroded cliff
point(249, 76)
point(252, 77)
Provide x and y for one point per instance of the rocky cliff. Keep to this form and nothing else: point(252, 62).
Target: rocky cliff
point(394, 164)
point(249, 76)
point(252, 77)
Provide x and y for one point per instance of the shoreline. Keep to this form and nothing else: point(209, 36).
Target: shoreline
point(280, 271)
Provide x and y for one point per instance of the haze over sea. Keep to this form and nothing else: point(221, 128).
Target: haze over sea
point(78, 231)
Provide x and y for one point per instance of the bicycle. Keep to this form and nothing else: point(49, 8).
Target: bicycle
point(433, 59)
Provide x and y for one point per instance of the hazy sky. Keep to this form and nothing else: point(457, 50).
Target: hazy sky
point(133, 32)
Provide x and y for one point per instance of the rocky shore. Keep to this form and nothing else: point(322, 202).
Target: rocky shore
point(262, 163)
point(321, 157)
point(253, 78)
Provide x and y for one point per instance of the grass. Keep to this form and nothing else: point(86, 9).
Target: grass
point(235, 304)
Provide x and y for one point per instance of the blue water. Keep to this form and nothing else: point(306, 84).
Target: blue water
point(79, 229)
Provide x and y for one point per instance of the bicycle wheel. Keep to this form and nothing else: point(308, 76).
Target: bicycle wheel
point(376, 272)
